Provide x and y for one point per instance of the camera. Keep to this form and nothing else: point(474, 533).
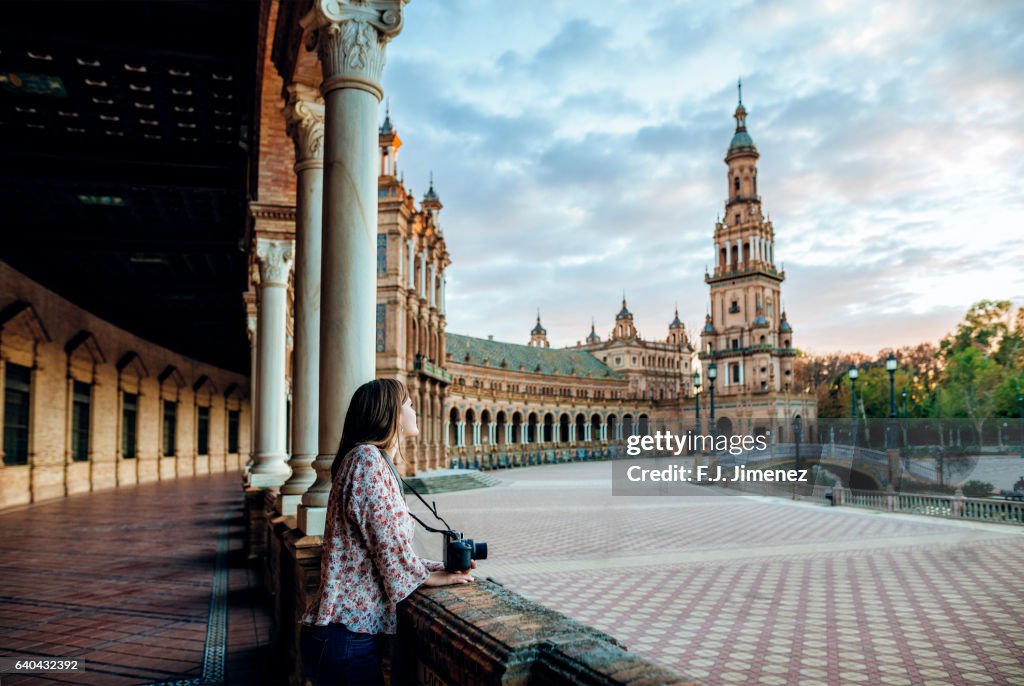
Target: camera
point(459, 551)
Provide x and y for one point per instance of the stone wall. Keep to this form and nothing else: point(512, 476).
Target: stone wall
point(61, 344)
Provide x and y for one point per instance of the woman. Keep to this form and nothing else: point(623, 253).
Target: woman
point(368, 564)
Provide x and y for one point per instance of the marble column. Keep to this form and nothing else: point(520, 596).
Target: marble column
point(270, 456)
point(304, 114)
point(440, 304)
point(350, 39)
point(254, 366)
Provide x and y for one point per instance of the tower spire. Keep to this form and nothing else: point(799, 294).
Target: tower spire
point(739, 88)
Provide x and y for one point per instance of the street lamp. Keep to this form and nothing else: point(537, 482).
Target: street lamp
point(696, 396)
point(853, 403)
point(712, 375)
point(890, 366)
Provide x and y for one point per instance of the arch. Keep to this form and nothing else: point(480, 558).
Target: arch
point(453, 427)
point(85, 344)
point(549, 428)
point(131, 363)
point(581, 431)
point(627, 425)
point(517, 422)
point(613, 425)
point(644, 425)
point(501, 428)
point(21, 319)
point(171, 373)
point(204, 384)
point(485, 426)
point(723, 426)
point(595, 427)
point(531, 429)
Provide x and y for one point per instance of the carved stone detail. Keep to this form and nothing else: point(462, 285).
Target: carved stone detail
point(275, 261)
point(304, 114)
point(350, 38)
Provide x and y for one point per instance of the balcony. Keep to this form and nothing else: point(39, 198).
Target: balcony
point(431, 370)
point(747, 350)
point(737, 269)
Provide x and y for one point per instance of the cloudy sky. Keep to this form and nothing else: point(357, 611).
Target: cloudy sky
point(577, 147)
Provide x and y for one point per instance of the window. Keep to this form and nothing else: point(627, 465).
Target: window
point(736, 184)
point(129, 422)
point(735, 307)
point(737, 219)
point(735, 344)
point(17, 380)
point(233, 419)
point(203, 431)
point(170, 427)
point(735, 373)
point(81, 394)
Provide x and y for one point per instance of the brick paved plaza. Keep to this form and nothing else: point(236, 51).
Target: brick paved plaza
point(752, 590)
point(729, 589)
point(122, 581)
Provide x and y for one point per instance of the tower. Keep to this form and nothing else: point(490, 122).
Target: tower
point(743, 333)
point(539, 335)
point(676, 332)
point(624, 328)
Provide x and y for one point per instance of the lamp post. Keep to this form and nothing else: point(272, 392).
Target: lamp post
point(853, 403)
point(712, 375)
point(696, 396)
point(890, 366)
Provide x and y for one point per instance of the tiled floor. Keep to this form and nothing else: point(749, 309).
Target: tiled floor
point(751, 590)
point(122, 582)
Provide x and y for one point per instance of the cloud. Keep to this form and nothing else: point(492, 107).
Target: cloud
point(578, 150)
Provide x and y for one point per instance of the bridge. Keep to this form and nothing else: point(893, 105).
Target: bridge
point(853, 466)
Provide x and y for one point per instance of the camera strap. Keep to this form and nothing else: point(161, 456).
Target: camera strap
point(430, 506)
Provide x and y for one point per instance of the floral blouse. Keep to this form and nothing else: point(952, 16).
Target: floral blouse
point(368, 564)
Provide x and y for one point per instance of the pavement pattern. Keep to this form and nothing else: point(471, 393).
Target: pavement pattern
point(141, 585)
point(756, 590)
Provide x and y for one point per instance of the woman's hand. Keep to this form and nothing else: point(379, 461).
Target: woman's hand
point(444, 578)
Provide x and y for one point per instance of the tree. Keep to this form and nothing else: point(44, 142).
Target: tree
point(968, 387)
point(984, 328)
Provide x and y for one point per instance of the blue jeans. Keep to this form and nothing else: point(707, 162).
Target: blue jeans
point(334, 656)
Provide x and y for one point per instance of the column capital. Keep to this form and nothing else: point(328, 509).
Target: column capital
point(275, 261)
point(304, 118)
point(350, 38)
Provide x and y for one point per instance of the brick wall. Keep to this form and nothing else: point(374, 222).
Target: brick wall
point(61, 343)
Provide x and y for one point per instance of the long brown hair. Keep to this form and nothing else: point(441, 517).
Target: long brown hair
point(374, 416)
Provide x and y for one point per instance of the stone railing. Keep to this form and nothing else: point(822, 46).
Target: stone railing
point(955, 506)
